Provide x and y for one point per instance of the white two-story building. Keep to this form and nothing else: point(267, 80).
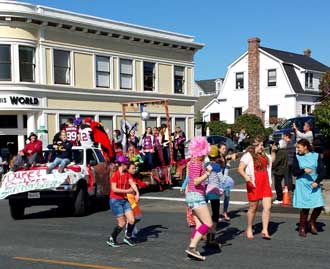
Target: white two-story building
point(270, 83)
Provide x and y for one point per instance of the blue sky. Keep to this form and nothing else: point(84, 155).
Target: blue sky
point(223, 26)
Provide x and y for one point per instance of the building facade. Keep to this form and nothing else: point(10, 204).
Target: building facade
point(270, 83)
point(56, 64)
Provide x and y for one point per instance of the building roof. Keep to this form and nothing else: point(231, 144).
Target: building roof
point(52, 17)
point(203, 101)
point(208, 85)
point(300, 60)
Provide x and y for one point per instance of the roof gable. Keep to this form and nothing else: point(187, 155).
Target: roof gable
point(300, 60)
point(208, 85)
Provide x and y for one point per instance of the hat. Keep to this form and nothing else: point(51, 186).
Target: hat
point(122, 160)
point(88, 120)
point(77, 121)
point(199, 147)
point(214, 152)
point(32, 134)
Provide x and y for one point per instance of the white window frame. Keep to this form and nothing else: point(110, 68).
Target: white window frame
point(71, 67)
point(183, 80)
point(236, 84)
point(110, 70)
point(308, 83)
point(11, 63)
point(268, 77)
point(154, 76)
point(34, 63)
point(132, 75)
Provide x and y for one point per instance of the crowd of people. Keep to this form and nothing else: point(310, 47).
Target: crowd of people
point(286, 160)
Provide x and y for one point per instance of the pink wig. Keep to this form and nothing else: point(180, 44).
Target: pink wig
point(199, 147)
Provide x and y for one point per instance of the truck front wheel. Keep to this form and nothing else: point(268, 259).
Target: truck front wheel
point(16, 210)
point(81, 203)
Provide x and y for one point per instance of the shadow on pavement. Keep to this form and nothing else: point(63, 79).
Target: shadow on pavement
point(65, 211)
point(151, 231)
point(272, 228)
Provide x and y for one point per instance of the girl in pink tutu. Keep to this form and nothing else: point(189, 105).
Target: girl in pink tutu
point(195, 196)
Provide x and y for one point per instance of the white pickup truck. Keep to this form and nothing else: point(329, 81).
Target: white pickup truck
point(85, 178)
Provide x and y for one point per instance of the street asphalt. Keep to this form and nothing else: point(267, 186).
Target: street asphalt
point(47, 239)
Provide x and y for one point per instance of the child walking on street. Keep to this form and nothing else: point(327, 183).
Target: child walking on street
point(122, 184)
point(195, 197)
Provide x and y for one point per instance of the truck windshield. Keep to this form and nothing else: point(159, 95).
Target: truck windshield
point(287, 124)
point(99, 155)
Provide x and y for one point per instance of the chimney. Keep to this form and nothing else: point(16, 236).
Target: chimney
point(307, 52)
point(254, 77)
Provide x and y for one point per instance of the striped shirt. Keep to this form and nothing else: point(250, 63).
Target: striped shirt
point(195, 170)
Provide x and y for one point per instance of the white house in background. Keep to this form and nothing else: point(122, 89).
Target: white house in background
point(208, 87)
point(269, 83)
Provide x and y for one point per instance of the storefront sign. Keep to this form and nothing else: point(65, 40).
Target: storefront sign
point(35, 179)
point(19, 101)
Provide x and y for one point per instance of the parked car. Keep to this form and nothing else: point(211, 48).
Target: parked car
point(87, 178)
point(286, 127)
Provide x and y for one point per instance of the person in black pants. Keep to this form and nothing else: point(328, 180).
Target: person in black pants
point(291, 150)
point(279, 168)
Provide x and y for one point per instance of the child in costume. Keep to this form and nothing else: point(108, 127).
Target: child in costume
point(133, 199)
point(195, 197)
point(134, 157)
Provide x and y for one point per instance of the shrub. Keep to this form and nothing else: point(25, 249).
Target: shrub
point(217, 127)
point(252, 124)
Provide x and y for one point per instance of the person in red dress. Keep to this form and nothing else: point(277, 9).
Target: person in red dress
point(255, 168)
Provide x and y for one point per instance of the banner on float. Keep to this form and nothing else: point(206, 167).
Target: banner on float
point(30, 180)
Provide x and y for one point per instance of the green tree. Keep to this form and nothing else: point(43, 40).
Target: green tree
point(322, 110)
point(252, 124)
point(217, 127)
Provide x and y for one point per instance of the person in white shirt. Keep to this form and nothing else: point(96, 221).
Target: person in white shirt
point(307, 134)
point(85, 135)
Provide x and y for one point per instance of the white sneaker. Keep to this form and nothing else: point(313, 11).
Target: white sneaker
point(277, 202)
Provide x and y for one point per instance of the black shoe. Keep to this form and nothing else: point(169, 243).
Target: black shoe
point(14, 168)
point(112, 242)
point(129, 241)
point(27, 166)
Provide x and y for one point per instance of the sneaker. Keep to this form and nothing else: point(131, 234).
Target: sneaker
point(194, 253)
point(112, 242)
point(277, 202)
point(129, 241)
point(48, 171)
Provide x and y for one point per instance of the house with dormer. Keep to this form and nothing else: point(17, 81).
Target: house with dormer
point(270, 83)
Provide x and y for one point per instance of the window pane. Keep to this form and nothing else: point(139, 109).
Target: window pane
point(61, 67)
point(8, 121)
point(272, 77)
point(180, 123)
point(64, 117)
point(272, 112)
point(179, 71)
point(5, 72)
point(107, 122)
point(103, 80)
point(102, 64)
point(61, 58)
point(239, 80)
point(151, 122)
point(148, 76)
point(126, 66)
point(125, 81)
point(5, 62)
point(237, 112)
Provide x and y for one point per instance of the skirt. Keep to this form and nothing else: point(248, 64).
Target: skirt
point(305, 196)
point(261, 189)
